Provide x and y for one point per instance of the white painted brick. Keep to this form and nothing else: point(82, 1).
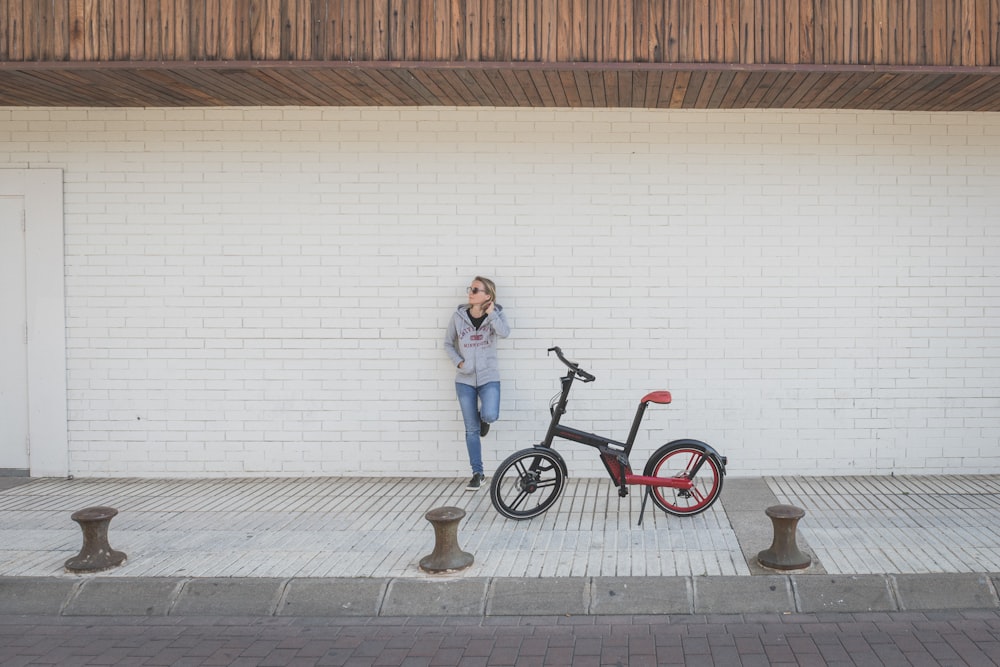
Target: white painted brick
point(268, 288)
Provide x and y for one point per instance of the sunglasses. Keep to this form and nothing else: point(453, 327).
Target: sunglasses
point(474, 290)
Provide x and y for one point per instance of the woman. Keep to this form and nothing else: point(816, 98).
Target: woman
point(471, 342)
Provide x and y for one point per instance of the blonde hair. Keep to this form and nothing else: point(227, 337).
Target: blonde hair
point(489, 285)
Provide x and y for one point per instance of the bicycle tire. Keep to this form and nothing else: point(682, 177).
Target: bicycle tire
point(527, 483)
point(680, 458)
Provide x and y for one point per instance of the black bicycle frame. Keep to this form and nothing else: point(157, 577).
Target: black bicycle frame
point(614, 454)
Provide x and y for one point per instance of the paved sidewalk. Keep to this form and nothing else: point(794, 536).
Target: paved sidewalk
point(350, 546)
point(771, 640)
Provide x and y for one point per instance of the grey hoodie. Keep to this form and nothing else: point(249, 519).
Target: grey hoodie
point(476, 347)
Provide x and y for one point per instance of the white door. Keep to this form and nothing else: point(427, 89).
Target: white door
point(13, 338)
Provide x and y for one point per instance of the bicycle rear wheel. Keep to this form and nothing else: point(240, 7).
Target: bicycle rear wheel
point(527, 483)
point(687, 459)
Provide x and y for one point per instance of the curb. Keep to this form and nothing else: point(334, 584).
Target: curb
point(498, 596)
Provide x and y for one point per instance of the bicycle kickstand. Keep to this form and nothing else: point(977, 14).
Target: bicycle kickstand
point(645, 497)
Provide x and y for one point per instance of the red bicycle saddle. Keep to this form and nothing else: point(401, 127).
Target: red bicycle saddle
point(657, 397)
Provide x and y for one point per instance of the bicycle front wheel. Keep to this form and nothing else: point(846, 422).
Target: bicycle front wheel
point(691, 461)
point(527, 483)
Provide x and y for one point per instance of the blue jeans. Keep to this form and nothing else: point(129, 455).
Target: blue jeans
point(470, 398)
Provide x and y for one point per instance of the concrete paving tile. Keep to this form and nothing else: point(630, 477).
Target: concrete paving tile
point(855, 593)
point(228, 597)
point(128, 596)
point(945, 591)
point(333, 597)
point(414, 597)
point(641, 595)
point(742, 595)
point(34, 595)
point(533, 596)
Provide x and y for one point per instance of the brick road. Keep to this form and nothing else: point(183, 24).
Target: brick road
point(896, 638)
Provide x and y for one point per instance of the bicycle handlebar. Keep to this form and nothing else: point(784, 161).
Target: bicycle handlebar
point(572, 365)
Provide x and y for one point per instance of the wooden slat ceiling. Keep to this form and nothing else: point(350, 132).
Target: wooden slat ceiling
point(932, 55)
point(501, 85)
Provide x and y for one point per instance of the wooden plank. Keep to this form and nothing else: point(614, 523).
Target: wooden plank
point(541, 84)
point(518, 96)
point(994, 52)
point(482, 87)
point(577, 37)
point(530, 29)
point(774, 41)
point(759, 91)
point(503, 38)
point(304, 29)
point(59, 33)
point(807, 32)
point(657, 31)
point(182, 28)
point(527, 85)
point(880, 32)
point(563, 33)
point(979, 33)
point(641, 52)
point(90, 32)
point(6, 30)
point(499, 84)
point(287, 19)
point(567, 81)
point(396, 30)
point(849, 47)
point(136, 29)
point(720, 88)
point(700, 29)
point(272, 29)
point(256, 27)
point(707, 88)
point(594, 30)
point(679, 90)
point(790, 31)
point(415, 89)
point(379, 21)
point(438, 40)
point(671, 33)
point(748, 33)
point(548, 21)
point(472, 31)
point(241, 28)
point(583, 91)
point(29, 30)
point(936, 32)
point(640, 85)
point(520, 30)
point(866, 31)
point(717, 31)
point(463, 83)
point(167, 50)
point(42, 33)
point(350, 30)
point(963, 45)
point(104, 29)
point(487, 32)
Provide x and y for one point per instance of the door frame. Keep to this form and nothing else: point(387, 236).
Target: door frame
point(42, 190)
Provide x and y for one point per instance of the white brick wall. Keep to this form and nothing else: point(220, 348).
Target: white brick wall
point(264, 291)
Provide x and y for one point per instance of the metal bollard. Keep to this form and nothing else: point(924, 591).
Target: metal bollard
point(447, 555)
point(784, 553)
point(96, 554)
